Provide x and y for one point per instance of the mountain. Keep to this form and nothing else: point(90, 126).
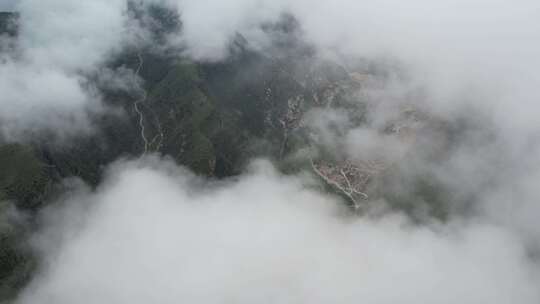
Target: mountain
point(209, 117)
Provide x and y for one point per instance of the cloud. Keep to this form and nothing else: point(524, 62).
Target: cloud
point(463, 53)
point(207, 33)
point(154, 232)
point(8, 5)
point(41, 98)
point(44, 80)
point(457, 50)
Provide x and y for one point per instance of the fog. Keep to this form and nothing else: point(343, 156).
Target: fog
point(152, 231)
point(44, 78)
point(463, 53)
point(8, 5)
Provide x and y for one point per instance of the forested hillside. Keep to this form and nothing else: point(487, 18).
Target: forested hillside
point(409, 158)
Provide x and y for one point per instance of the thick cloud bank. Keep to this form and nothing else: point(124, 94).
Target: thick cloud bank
point(155, 233)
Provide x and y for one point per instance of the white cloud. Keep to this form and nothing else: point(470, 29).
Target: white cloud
point(155, 233)
point(39, 99)
point(452, 48)
point(42, 86)
point(8, 5)
point(486, 51)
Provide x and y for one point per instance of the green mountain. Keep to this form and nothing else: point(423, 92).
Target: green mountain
point(209, 117)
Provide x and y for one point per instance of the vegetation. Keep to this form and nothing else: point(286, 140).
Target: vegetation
point(210, 117)
point(8, 22)
point(24, 178)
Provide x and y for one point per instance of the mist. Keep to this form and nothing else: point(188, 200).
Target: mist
point(464, 54)
point(7, 5)
point(44, 78)
point(152, 231)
